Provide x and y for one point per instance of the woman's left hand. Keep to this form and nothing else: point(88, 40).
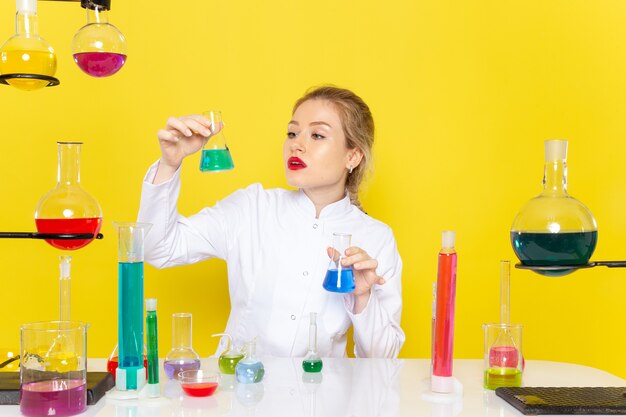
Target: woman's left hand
point(364, 268)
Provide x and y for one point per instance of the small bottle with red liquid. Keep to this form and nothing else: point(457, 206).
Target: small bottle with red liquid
point(99, 48)
point(68, 208)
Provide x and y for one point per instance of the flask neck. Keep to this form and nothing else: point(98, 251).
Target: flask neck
point(69, 164)
point(181, 331)
point(26, 23)
point(555, 177)
point(97, 15)
point(313, 338)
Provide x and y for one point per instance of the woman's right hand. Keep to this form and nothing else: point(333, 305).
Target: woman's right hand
point(181, 137)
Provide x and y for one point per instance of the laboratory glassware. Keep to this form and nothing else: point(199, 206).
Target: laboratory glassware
point(182, 357)
point(312, 362)
point(99, 48)
point(216, 156)
point(198, 383)
point(250, 369)
point(441, 378)
point(152, 339)
point(503, 370)
point(228, 359)
point(27, 61)
point(503, 350)
point(68, 208)
point(130, 373)
point(339, 278)
point(64, 287)
point(554, 228)
point(113, 361)
point(53, 372)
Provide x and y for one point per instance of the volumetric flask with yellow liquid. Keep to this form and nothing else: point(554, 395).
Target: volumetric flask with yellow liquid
point(215, 154)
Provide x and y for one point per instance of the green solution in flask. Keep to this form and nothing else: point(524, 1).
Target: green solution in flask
point(554, 228)
point(312, 362)
point(216, 156)
point(229, 359)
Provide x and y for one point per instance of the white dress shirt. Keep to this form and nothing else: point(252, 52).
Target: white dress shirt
point(275, 249)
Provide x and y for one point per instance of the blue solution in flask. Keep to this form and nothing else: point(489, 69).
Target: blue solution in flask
point(339, 278)
point(250, 370)
point(336, 281)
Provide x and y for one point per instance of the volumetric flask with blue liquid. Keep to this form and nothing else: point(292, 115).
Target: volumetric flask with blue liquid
point(215, 154)
point(339, 278)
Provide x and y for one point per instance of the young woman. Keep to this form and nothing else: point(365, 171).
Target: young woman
point(276, 241)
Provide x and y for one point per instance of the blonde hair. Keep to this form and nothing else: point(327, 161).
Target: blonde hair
point(358, 128)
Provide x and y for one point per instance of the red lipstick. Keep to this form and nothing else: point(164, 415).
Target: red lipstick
point(294, 163)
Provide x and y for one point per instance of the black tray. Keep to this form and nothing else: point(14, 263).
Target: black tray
point(568, 400)
point(98, 383)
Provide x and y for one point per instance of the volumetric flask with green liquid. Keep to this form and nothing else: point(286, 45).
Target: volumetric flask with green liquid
point(215, 154)
point(554, 228)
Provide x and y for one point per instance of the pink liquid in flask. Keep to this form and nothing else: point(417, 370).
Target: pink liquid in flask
point(99, 64)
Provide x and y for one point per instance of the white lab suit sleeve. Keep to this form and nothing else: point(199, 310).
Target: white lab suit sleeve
point(177, 240)
point(377, 331)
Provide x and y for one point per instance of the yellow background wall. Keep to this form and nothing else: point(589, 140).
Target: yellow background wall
point(463, 92)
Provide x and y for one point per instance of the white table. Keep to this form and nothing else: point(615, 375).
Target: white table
point(348, 387)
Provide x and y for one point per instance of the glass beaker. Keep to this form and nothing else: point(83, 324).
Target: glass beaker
point(312, 362)
point(68, 208)
point(339, 278)
point(27, 61)
point(182, 357)
point(229, 359)
point(250, 370)
point(130, 373)
point(503, 360)
point(215, 154)
point(99, 48)
point(554, 228)
point(53, 373)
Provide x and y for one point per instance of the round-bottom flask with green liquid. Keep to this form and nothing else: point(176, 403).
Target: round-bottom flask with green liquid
point(229, 359)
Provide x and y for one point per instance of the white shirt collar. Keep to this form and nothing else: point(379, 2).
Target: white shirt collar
point(337, 208)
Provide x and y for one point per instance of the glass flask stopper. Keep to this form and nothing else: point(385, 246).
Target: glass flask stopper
point(554, 228)
point(229, 359)
point(312, 362)
point(215, 154)
point(339, 278)
point(99, 48)
point(68, 208)
point(27, 61)
point(182, 357)
point(250, 369)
